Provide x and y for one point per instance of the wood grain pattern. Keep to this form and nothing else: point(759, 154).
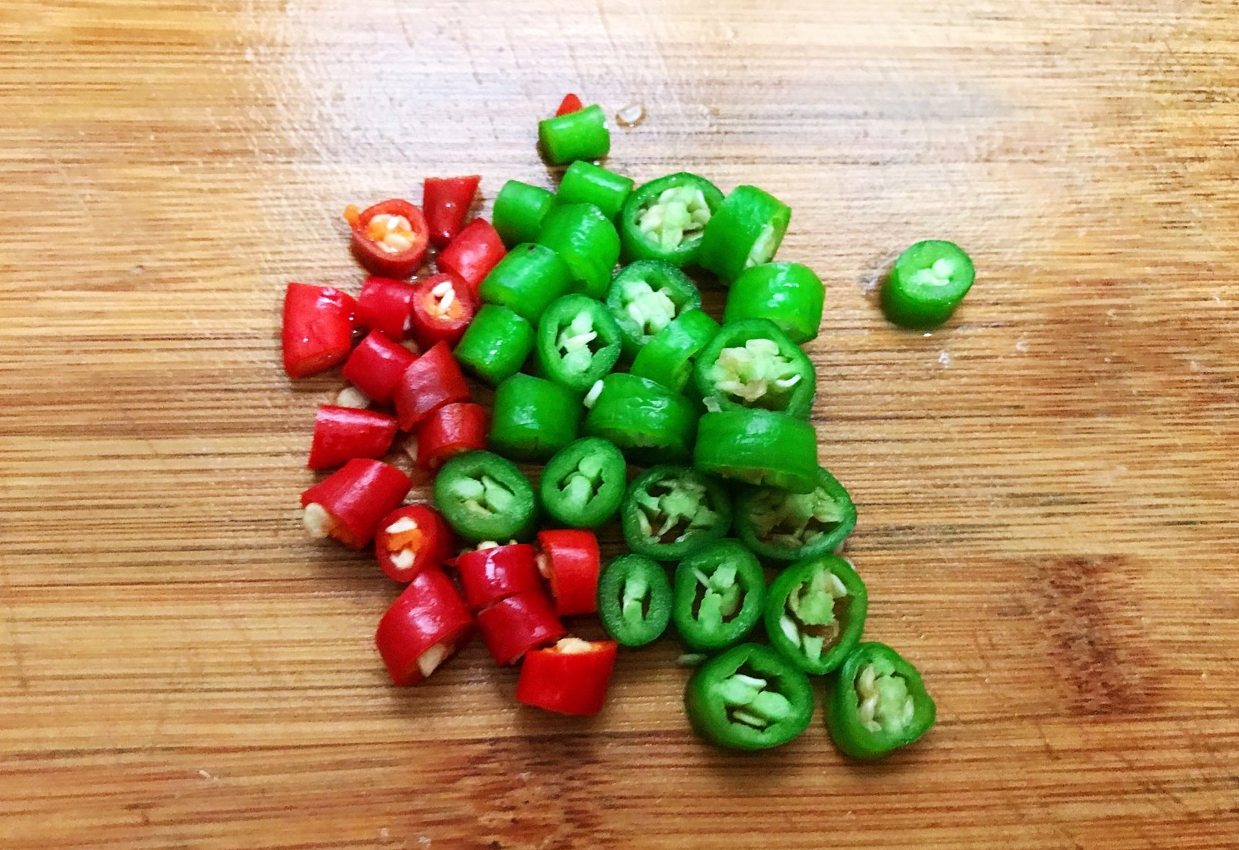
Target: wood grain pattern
point(1047, 487)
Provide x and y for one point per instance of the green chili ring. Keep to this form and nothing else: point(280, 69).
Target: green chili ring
point(583, 483)
point(748, 698)
point(758, 447)
point(877, 703)
point(671, 512)
point(791, 526)
point(664, 219)
point(815, 613)
point(485, 497)
point(752, 364)
point(634, 600)
point(718, 596)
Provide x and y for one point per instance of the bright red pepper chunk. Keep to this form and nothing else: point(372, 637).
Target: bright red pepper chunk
point(410, 539)
point(489, 575)
point(570, 103)
point(318, 328)
point(376, 366)
point(426, 624)
point(571, 677)
point(343, 433)
point(473, 254)
point(570, 561)
point(451, 430)
point(387, 305)
point(349, 504)
point(513, 626)
point(442, 310)
point(445, 203)
point(389, 238)
point(432, 381)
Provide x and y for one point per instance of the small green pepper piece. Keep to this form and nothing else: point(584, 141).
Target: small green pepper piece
point(485, 497)
point(496, 344)
point(533, 418)
point(758, 447)
point(746, 231)
point(877, 703)
point(519, 210)
point(668, 357)
point(648, 422)
point(752, 364)
point(586, 183)
point(671, 512)
point(578, 342)
point(634, 600)
point(815, 612)
point(719, 596)
point(526, 280)
point(748, 698)
point(926, 284)
point(645, 297)
point(792, 526)
point(788, 294)
point(586, 241)
point(576, 135)
point(583, 484)
point(664, 219)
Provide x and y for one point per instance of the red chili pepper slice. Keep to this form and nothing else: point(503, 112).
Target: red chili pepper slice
point(343, 433)
point(410, 539)
point(387, 305)
point(349, 504)
point(570, 103)
point(376, 366)
point(473, 254)
point(442, 310)
point(389, 238)
point(513, 626)
point(451, 430)
point(318, 328)
point(432, 381)
point(424, 627)
point(571, 677)
point(570, 561)
point(493, 574)
point(446, 202)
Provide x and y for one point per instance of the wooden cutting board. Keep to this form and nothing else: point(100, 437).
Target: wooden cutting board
point(1046, 486)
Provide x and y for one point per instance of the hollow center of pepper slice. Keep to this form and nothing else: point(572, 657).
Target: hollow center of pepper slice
point(883, 701)
point(670, 509)
point(676, 216)
point(749, 699)
point(484, 495)
point(578, 342)
point(652, 309)
point(718, 596)
point(763, 247)
point(813, 613)
point(794, 520)
point(582, 485)
point(755, 374)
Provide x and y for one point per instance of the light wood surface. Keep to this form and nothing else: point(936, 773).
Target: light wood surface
point(1047, 486)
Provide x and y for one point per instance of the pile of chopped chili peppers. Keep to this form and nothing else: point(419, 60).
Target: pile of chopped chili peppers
point(577, 307)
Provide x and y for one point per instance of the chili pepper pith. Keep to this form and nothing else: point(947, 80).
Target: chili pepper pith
point(445, 204)
point(671, 512)
point(815, 612)
point(634, 600)
point(389, 238)
point(718, 596)
point(410, 539)
point(791, 526)
point(533, 418)
point(423, 628)
point(349, 504)
point(571, 677)
point(317, 332)
point(583, 483)
point(343, 433)
point(877, 703)
point(486, 497)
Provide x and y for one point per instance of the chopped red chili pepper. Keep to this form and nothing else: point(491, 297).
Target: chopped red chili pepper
point(513, 626)
point(571, 677)
point(389, 238)
point(491, 574)
point(318, 328)
point(410, 539)
point(570, 103)
point(473, 254)
point(423, 628)
point(387, 305)
point(446, 202)
point(570, 561)
point(343, 433)
point(349, 504)
point(451, 430)
point(432, 381)
point(442, 310)
point(376, 366)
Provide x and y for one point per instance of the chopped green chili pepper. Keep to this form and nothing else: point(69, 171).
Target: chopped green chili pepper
point(519, 210)
point(586, 241)
point(752, 364)
point(877, 704)
point(671, 512)
point(668, 357)
point(645, 297)
point(758, 447)
point(525, 281)
point(648, 422)
point(576, 135)
point(791, 526)
point(664, 219)
point(926, 284)
point(748, 698)
point(586, 183)
point(485, 497)
point(745, 231)
point(634, 600)
point(533, 418)
point(583, 484)
point(495, 344)
point(578, 342)
point(815, 612)
point(719, 596)
point(788, 294)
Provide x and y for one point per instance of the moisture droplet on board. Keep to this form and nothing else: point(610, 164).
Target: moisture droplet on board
point(631, 115)
point(944, 358)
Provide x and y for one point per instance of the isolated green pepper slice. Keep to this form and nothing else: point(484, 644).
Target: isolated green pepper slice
point(748, 698)
point(496, 344)
point(877, 703)
point(578, 342)
point(664, 219)
point(533, 418)
point(927, 283)
point(634, 600)
point(645, 297)
point(672, 511)
point(519, 210)
point(788, 294)
point(718, 597)
point(582, 134)
point(485, 497)
point(758, 447)
point(583, 483)
point(586, 183)
point(752, 364)
point(791, 526)
point(526, 280)
point(648, 422)
point(586, 241)
point(815, 612)
point(668, 357)
point(746, 231)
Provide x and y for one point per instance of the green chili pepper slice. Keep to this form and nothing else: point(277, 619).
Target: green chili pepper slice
point(496, 344)
point(758, 447)
point(752, 364)
point(748, 698)
point(788, 294)
point(815, 612)
point(586, 241)
point(583, 483)
point(526, 280)
point(792, 526)
point(634, 600)
point(485, 497)
point(746, 231)
point(664, 219)
point(668, 357)
point(577, 135)
point(578, 342)
point(718, 597)
point(645, 297)
point(533, 418)
point(671, 512)
point(927, 283)
point(648, 422)
point(586, 183)
point(877, 703)
point(519, 211)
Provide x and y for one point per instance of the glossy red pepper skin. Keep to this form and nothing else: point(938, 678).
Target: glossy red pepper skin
point(356, 497)
point(432, 381)
point(570, 103)
point(490, 575)
point(567, 682)
point(431, 323)
point(376, 260)
point(429, 542)
point(570, 560)
point(451, 430)
point(428, 613)
point(472, 254)
point(513, 626)
point(343, 433)
point(445, 203)
point(387, 305)
point(318, 328)
point(376, 366)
